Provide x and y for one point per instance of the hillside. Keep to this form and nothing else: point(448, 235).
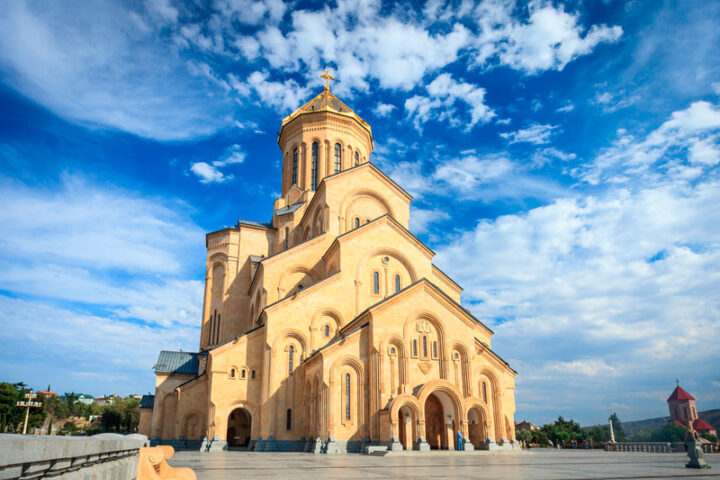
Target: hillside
point(710, 416)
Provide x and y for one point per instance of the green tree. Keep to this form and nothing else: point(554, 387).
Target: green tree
point(599, 434)
point(564, 431)
point(10, 414)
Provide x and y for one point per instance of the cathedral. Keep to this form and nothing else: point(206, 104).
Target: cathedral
point(329, 328)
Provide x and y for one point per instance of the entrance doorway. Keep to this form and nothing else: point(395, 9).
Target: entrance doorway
point(435, 423)
point(476, 421)
point(406, 427)
point(239, 428)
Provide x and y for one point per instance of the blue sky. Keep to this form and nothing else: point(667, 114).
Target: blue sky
point(563, 158)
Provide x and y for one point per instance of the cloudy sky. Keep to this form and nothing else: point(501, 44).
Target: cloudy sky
point(563, 158)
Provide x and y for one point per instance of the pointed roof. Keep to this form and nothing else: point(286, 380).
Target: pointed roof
point(702, 426)
point(680, 394)
point(326, 101)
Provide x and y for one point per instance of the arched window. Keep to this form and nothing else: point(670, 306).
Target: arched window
point(424, 346)
point(357, 222)
point(243, 373)
point(434, 349)
point(252, 374)
point(314, 173)
point(397, 283)
point(414, 351)
point(232, 373)
point(300, 287)
point(484, 392)
point(327, 330)
point(357, 159)
point(288, 419)
point(347, 396)
point(287, 238)
point(291, 354)
point(338, 157)
point(376, 283)
point(295, 166)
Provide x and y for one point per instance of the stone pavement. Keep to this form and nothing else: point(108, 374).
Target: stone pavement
point(538, 464)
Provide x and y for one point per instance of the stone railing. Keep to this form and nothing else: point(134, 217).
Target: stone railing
point(107, 456)
point(713, 447)
point(645, 447)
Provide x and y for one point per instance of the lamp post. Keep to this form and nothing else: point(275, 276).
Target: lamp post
point(28, 404)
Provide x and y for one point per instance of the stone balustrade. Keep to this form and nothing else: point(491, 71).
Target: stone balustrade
point(713, 447)
point(644, 447)
point(107, 456)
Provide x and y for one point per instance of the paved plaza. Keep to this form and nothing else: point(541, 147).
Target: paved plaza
point(533, 464)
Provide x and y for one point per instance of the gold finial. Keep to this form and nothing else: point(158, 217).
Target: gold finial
point(327, 78)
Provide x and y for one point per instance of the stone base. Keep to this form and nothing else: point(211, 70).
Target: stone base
point(259, 447)
point(394, 445)
point(467, 445)
point(332, 447)
point(217, 445)
point(422, 445)
point(317, 446)
point(270, 445)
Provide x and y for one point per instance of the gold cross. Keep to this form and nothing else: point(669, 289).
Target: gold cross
point(327, 78)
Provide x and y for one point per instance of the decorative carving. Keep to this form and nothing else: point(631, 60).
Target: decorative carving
point(425, 367)
point(218, 245)
point(423, 326)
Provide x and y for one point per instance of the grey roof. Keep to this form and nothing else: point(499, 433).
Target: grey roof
point(289, 208)
point(255, 224)
point(256, 258)
point(147, 401)
point(184, 363)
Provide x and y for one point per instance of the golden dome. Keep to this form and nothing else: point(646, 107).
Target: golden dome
point(326, 102)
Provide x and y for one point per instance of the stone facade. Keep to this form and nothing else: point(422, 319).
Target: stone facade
point(330, 328)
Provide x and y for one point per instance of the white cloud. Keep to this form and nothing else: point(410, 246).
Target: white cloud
point(208, 173)
point(601, 292)
point(383, 109)
point(569, 107)
point(440, 104)
point(716, 87)
point(694, 129)
point(468, 173)
point(421, 218)
point(537, 134)
point(104, 67)
point(283, 96)
point(233, 154)
point(549, 40)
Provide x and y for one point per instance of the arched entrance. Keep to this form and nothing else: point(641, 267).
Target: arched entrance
point(440, 421)
point(239, 428)
point(406, 427)
point(476, 426)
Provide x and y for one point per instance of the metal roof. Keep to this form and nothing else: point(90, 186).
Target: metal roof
point(147, 401)
point(256, 258)
point(289, 208)
point(254, 224)
point(184, 363)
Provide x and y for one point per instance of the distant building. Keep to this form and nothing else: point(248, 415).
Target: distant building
point(526, 426)
point(47, 393)
point(83, 398)
point(683, 412)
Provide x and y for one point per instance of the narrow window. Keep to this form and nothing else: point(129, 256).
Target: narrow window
point(295, 167)
point(217, 330)
point(397, 283)
point(338, 157)
point(243, 373)
point(484, 392)
point(435, 349)
point(252, 374)
point(376, 282)
point(288, 419)
point(232, 373)
point(327, 330)
point(414, 348)
point(291, 354)
point(287, 237)
point(300, 287)
point(357, 222)
point(347, 396)
point(424, 340)
point(357, 159)
point(314, 176)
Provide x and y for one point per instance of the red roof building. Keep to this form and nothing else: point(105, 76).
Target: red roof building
point(683, 412)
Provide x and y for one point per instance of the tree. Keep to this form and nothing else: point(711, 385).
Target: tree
point(599, 434)
point(618, 428)
point(523, 435)
point(564, 431)
point(10, 414)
